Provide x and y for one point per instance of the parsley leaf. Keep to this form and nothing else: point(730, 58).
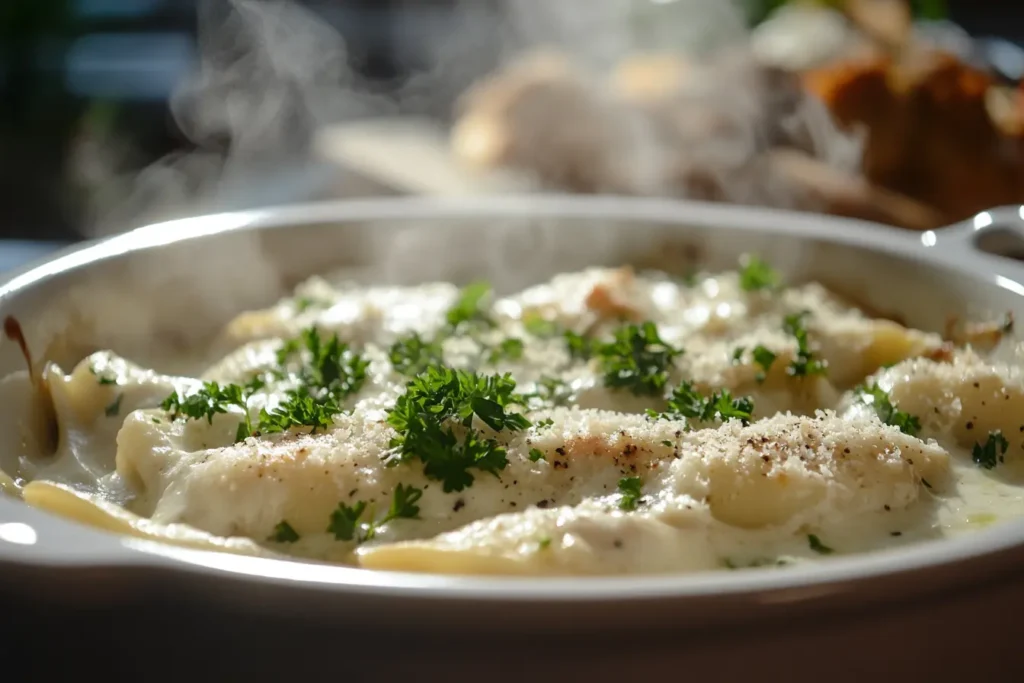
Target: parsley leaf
point(508, 349)
point(300, 409)
point(330, 374)
point(537, 325)
point(817, 546)
point(637, 360)
point(210, 400)
point(442, 393)
point(550, 391)
point(764, 358)
point(756, 274)
point(687, 402)
point(412, 355)
point(332, 368)
point(345, 520)
point(403, 503)
point(579, 347)
point(992, 452)
point(102, 378)
point(403, 506)
point(737, 355)
point(631, 489)
point(469, 308)
point(434, 399)
point(535, 455)
point(284, 533)
point(804, 364)
point(887, 412)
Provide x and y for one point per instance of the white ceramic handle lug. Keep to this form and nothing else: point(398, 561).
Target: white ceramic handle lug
point(961, 242)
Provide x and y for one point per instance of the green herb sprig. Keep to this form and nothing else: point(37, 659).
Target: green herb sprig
point(412, 355)
point(887, 412)
point(631, 491)
point(817, 546)
point(687, 402)
point(436, 400)
point(345, 521)
point(330, 374)
point(992, 452)
point(470, 308)
point(804, 364)
point(637, 359)
point(756, 275)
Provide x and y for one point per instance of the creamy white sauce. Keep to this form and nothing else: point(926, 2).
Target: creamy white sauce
point(716, 496)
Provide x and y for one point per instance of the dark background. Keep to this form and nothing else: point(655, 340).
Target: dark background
point(63, 62)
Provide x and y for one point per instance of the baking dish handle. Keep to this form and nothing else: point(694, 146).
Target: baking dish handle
point(994, 239)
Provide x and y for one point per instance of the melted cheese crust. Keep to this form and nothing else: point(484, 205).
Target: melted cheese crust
point(815, 473)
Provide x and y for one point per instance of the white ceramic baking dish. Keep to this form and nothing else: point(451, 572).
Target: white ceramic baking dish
point(171, 285)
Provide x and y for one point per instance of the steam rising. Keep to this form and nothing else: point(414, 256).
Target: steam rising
point(270, 75)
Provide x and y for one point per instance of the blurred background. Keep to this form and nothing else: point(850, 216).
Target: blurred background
point(115, 112)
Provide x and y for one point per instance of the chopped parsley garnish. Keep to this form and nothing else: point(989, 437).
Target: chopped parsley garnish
point(756, 274)
point(331, 374)
point(537, 325)
point(631, 490)
point(211, 399)
point(299, 409)
point(804, 364)
point(345, 520)
point(667, 444)
point(817, 546)
point(887, 412)
point(687, 402)
point(284, 533)
point(101, 377)
point(544, 542)
point(579, 346)
point(637, 360)
point(546, 422)
point(737, 355)
point(508, 349)
point(764, 358)
point(403, 506)
point(551, 391)
point(470, 307)
point(535, 455)
point(331, 368)
point(992, 452)
point(115, 407)
point(412, 355)
point(345, 524)
point(424, 414)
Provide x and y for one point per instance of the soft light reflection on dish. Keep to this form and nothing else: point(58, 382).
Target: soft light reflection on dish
point(1012, 285)
point(18, 533)
point(157, 234)
point(982, 220)
point(928, 238)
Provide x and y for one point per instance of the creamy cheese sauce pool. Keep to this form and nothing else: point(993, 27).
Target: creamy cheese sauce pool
point(604, 422)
